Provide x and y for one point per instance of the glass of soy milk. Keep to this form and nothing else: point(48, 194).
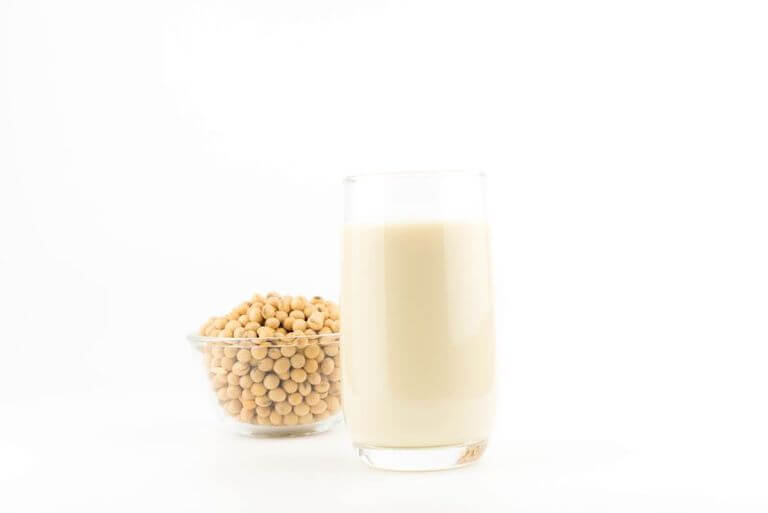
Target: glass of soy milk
point(418, 326)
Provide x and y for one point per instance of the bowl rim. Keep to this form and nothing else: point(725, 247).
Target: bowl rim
point(199, 341)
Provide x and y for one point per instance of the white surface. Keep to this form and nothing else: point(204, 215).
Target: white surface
point(161, 160)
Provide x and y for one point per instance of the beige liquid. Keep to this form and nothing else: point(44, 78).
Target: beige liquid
point(417, 334)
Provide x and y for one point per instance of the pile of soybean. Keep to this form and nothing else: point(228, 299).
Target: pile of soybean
point(282, 366)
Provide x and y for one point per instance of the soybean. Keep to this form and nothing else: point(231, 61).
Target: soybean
point(284, 368)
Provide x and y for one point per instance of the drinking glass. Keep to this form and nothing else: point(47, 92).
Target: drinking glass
point(417, 319)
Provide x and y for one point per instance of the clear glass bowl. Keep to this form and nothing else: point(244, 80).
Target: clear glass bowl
point(278, 386)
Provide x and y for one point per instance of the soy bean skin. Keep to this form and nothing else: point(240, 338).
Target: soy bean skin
point(327, 366)
point(311, 366)
point(271, 381)
point(298, 361)
point(268, 311)
point(234, 391)
point(283, 408)
point(278, 395)
point(315, 321)
point(234, 406)
point(290, 386)
point(333, 404)
point(312, 351)
point(283, 368)
point(246, 415)
point(320, 407)
point(301, 409)
point(299, 375)
point(263, 401)
point(241, 369)
point(245, 381)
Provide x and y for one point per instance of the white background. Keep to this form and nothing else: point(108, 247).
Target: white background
point(160, 161)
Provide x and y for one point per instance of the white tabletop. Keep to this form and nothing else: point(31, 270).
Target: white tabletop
point(86, 456)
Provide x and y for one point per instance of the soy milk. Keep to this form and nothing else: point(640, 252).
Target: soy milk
point(417, 334)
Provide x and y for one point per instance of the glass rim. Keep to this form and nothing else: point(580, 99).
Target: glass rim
point(198, 341)
point(350, 179)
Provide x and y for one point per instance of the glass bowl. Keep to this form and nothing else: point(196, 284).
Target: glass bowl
point(277, 386)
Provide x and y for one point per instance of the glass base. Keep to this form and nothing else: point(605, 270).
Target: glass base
point(421, 458)
point(259, 431)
